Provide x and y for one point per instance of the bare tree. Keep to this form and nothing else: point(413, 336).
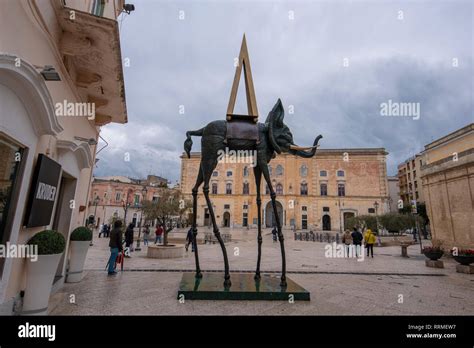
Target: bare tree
point(168, 209)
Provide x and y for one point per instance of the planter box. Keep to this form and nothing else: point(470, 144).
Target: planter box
point(465, 269)
point(39, 281)
point(464, 260)
point(433, 255)
point(165, 252)
point(78, 253)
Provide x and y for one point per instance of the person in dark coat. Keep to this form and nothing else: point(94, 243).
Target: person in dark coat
point(129, 239)
point(115, 245)
point(357, 238)
point(189, 240)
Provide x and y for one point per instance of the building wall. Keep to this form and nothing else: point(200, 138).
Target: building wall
point(28, 119)
point(394, 193)
point(365, 180)
point(110, 204)
point(410, 181)
point(448, 182)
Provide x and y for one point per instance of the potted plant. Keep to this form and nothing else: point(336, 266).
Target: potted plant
point(80, 242)
point(433, 252)
point(463, 256)
point(40, 271)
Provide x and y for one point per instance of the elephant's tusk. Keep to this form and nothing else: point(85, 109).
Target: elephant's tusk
point(302, 148)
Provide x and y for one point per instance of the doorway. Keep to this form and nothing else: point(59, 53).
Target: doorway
point(304, 222)
point(270, 219)
point(226, 219)
point(346, 217)
point(326, 223)
point(62, 216)
point(207, 221)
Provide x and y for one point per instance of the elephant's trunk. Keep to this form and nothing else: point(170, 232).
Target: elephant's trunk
point(303, 151)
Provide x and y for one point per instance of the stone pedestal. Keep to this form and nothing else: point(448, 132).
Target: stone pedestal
point(165, 252)
point(434, 264)
point(465, 269)
point(244, 287)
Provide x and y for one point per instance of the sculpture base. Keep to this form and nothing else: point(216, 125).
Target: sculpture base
point(244, 287)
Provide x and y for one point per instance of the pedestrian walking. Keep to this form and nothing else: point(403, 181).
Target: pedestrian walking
point(369, 238)
point(189, 240)
point(101, 229)
point(146, 234)
point(274, 234)
point(158, 234)
point(107, 230)
point(357, 240)
point(129, 240)
point(347, 241)
point(115, 245)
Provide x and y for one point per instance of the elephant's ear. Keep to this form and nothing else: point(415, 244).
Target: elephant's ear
point(275, 120)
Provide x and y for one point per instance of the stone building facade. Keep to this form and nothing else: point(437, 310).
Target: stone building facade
point(448, 183)
point(318, 193)
point(114, 196)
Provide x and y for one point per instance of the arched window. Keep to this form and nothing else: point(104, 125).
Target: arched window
point(246, 171)
point(229, 173)
point(245, 188)
point(228, 188)
point(279, 170)
point(340, 173)
point(279, 189)
point(304, 189)
point(214, 188)
point(303, 171)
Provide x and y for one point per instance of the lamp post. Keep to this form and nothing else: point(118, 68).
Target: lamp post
point(144, 191)
point(96, 203)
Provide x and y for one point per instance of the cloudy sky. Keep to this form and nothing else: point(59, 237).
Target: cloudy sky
point(181, 53)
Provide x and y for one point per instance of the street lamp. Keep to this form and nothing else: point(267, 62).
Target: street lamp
point(144, 191)
point(96, 203)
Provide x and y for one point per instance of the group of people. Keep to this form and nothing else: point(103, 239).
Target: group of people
point(355, 238)
point(104, 230)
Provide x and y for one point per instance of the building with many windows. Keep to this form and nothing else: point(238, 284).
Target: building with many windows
point(122, 197)
point(410, 181)
point(318, 193)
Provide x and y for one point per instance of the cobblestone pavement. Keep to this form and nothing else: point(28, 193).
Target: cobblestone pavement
point(386, 284)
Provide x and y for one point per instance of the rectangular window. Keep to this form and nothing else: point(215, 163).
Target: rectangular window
point(136, 199)
point(245, 206)
point(324, 190)
point(341, 190)
point(304, 208)
point(214, 189)
point(117, 196)
point(325, 209)
point(371, 210)
point(323, 173)
point(228, 189)
point(226, 206)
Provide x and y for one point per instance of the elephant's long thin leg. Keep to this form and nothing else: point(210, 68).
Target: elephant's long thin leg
point(266, 175)
point(258, 178)
point(205, 189)
point(199, 181)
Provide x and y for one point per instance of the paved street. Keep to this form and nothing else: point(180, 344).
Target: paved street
point(338, 285)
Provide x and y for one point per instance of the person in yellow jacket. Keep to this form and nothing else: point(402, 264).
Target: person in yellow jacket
point(369, 239)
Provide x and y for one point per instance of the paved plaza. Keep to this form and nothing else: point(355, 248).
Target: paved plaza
point(385, 285)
